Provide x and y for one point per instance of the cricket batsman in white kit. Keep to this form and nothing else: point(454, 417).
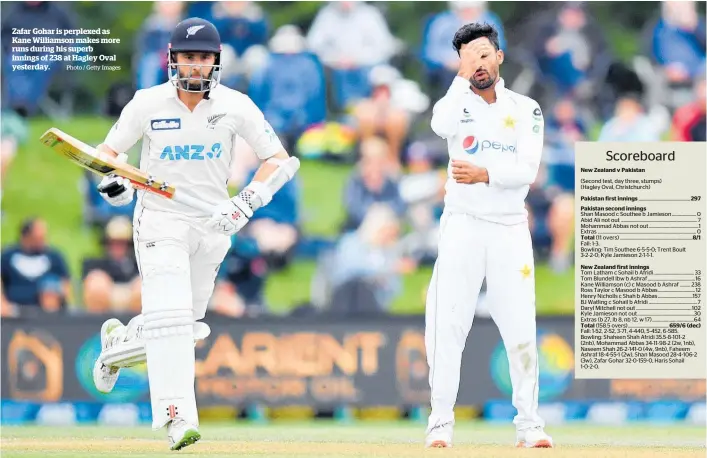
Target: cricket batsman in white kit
point(189, 127)
point(495, 140)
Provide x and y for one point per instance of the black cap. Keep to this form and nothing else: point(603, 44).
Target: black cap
point(195, 34)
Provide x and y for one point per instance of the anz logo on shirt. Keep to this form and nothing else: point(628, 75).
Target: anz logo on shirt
point(191, 152)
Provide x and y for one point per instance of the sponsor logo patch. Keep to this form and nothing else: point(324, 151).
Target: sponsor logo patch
point(470, 144)
point(537, 114)
point(166, 124)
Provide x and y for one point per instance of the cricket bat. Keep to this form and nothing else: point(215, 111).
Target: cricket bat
point(91, 159)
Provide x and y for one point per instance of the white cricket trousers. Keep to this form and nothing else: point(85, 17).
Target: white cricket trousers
point(470, 250)
point(178, 261)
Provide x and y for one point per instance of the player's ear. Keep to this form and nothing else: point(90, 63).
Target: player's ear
point(500, 56)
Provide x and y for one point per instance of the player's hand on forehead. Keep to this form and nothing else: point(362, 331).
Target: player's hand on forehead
point(478, 46)
point(472, 55)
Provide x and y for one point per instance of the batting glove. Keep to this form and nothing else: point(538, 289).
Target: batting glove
point(230, 216)
point(116, 190)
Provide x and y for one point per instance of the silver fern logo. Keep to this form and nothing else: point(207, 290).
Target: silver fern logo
point(193, 29)
point(213, 119)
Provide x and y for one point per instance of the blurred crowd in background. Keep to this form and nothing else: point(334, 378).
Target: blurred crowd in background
point(341, 91)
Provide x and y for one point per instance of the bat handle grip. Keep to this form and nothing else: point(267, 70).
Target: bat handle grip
point(193, 202)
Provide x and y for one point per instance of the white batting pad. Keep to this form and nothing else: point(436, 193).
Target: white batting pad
point(132, 351)
point(168, 332)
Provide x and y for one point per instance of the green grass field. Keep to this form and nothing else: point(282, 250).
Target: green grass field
point(41, 183)
point(369, 439)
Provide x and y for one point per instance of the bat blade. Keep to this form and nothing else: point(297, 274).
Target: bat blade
point(89, 158)
point(76, 151)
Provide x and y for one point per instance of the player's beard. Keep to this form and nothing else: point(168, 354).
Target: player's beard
point(485, 84)
point(198, 86)
point(202, 84)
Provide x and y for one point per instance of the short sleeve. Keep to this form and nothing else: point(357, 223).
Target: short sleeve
point(257, 131)
point(127, 130)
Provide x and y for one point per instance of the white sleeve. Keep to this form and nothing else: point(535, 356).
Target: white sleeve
point(445, 113)
point(127, 130)
point(257, 131)
point(524, 170)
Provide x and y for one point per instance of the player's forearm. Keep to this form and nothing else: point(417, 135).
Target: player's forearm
point(103, 148)
point(270, 177)
point(513, 176)
point(445, 114)
point(266, 169)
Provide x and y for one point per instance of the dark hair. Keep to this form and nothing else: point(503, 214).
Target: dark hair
point(27, 226)
point(470, 32)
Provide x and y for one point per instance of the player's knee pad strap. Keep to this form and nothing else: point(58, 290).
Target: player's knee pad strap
point(132, 352)
point(165, 323)
point(126, 354)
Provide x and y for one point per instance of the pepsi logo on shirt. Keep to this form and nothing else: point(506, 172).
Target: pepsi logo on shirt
point(472, 145)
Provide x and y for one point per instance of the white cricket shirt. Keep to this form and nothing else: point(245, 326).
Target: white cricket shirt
point(190, 150)
point(505, 137)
